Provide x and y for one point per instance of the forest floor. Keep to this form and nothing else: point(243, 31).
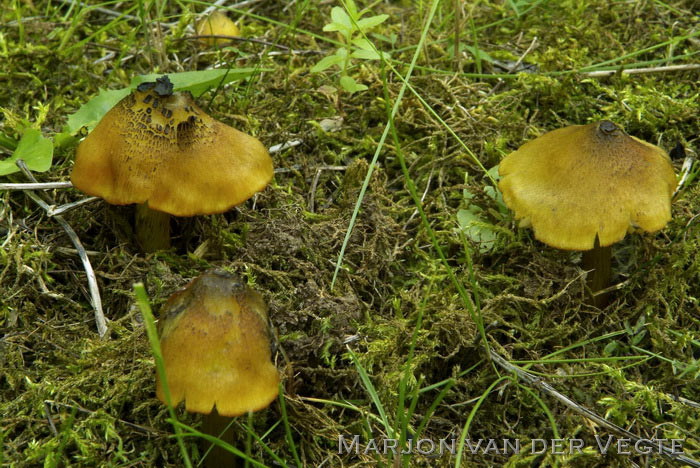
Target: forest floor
point(392, 269)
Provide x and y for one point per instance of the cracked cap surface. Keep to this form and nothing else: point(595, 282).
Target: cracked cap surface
point(160, 148)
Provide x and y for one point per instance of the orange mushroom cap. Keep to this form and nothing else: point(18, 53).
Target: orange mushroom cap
point(583, 181)
point(159, 147)
point(216, 347)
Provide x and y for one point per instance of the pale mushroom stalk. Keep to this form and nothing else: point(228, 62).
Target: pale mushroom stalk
point(152, 229)
point(597, 262)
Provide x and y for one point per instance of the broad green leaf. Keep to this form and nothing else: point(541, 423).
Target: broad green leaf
point(92, 112)
point(327, 62)
point(34, 149)
point(493, 172)
point(195, 82)
point(367, 23)
point(333, 27)
point(342, 52)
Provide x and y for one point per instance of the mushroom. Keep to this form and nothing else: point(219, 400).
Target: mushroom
point(584, 187)
point(216, 24)
point(216, 350)
point(157, 148)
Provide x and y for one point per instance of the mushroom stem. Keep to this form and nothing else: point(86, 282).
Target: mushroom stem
point(152, 229)
point(214, 424)
point(597, 261)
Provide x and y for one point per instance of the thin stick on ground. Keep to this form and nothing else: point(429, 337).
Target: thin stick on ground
point(688, 163)
point(314, 183)
point(665, 451)
point(56, 210)
point(637, 71)
point(36, 186)
point(95, 299)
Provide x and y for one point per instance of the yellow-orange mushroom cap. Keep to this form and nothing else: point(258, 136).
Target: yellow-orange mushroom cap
point(216, 347)
point(577, 182)
point(216, 24)
point(160, 148)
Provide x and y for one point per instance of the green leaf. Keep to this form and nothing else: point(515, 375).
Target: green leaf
point(64, 139)
point(339, 16)
point(366, 50)
point(390, 39)
point(350, 85)
point(332, 27)
point(365, 54)
point(364, 44)
point(327, 62)
point(352, 9)
point(195, 82)
point(340, 22)
point(8, 142)
point(476, 229)
point(34, 149)
point(494, 193)
point(368, 23)
point(92, 112)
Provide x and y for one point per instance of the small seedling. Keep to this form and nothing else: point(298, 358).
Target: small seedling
point(351, 29)
point(472, 219)
point(34, 149)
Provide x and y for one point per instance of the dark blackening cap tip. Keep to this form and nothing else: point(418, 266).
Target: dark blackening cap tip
point(607, 127)
point(162, 86)
point(678, 151)
point(146, 86)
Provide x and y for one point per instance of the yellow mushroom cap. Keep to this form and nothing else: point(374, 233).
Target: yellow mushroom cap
point(159, 147)
point(577, 182)
point(216, 24)
point(216, 347)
